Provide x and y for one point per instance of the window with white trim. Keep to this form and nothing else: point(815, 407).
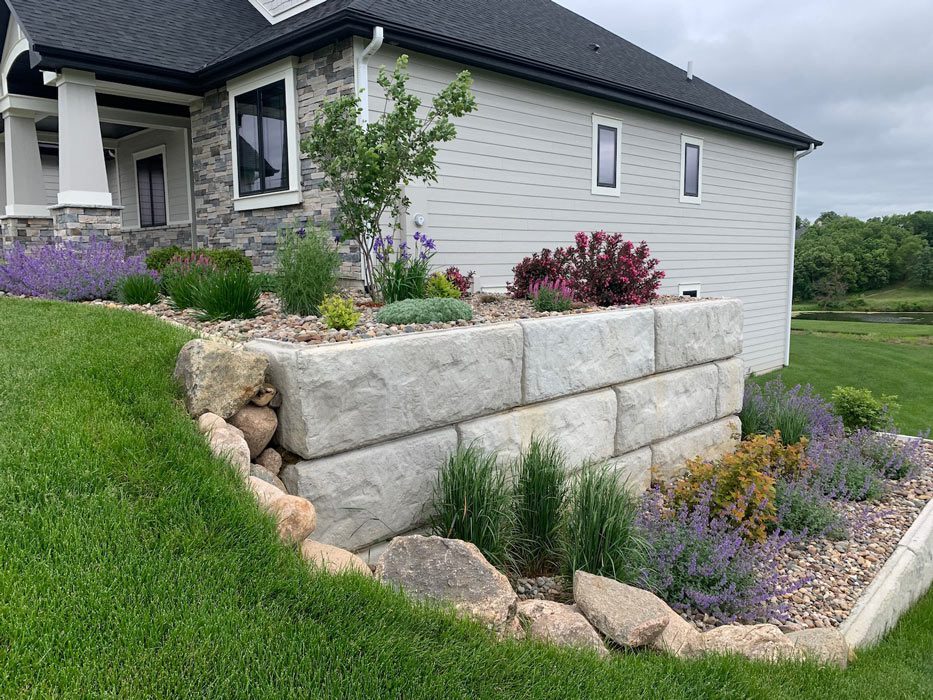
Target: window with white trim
point(607, 156)
point(264, 133)
point(691, 169)
point(151, 187)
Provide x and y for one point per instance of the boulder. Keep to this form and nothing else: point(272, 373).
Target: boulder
point(208, 422)
point(261, 472)
point(295, 517)
point(228, 443)
point(756, 642)
point(258, 426)
point(679, 638)
point(332, 559)
point(218, 378)
point(264, 492)
point(449, 571)
point(560, 624)
point(629, 616)
point(264, 396)
point(826, 646)
point(271, 460)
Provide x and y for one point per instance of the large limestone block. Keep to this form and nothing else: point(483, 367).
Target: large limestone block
point(218, 378)
point(449, 571)
point(583, 427)
point(731, 387)
point(560, 624)
point(710, 441)
point(368, 495)
point(629, 616)
point(573, 354)
point(665, 405)
point(634, 468)
point(694, 333)
point(348, 395)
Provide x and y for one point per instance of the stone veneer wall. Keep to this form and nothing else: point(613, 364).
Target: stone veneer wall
point(646, 388)
point(140, 241)
point(27, 231)
point(72, 223)
point(324, 74)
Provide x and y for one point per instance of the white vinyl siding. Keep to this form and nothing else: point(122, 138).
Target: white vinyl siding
point(50, 178)
point(519, 178)
point(175, 164)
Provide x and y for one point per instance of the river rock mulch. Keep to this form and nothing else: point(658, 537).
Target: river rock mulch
point(274, 324)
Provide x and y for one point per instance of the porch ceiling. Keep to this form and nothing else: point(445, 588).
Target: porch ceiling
point(107, 129)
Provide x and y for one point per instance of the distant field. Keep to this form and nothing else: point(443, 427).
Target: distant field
point(890, 299)
point(890, 332)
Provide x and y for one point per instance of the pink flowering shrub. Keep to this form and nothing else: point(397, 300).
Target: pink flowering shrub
point(548, 295)
point(600, 268)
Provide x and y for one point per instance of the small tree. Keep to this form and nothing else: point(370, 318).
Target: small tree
point(369, 166)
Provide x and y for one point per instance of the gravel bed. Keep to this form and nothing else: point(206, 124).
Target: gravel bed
point(276, 325)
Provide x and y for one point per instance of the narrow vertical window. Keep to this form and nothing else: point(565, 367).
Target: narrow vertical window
point(150, 184)
point(262, 140)
point(607, 134)
point(691, 169)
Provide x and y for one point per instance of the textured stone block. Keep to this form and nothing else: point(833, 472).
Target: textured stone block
point(634, 468)
point(582, 425)
point(352, 394)
point(707, 442)
point(368, 495)
point(731, 387)
point(573, 354)
point(665, 405)
point(694, 333)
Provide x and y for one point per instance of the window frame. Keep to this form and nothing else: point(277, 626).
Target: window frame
point(159, 150)
point(283, 70)
point(689, 290)
point(600, 121)
point(685, 141)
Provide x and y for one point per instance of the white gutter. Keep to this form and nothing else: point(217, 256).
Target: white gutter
point(793, 247)
point(362, 72)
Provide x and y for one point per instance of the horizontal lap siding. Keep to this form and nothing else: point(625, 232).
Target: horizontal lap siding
point(175, 165)
point(517, 179)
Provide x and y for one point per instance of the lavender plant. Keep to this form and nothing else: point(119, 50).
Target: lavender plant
point(70, 271)
point(797, 412)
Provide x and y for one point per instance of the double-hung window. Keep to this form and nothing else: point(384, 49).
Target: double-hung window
point(691, 169)
point(266, 170)
point(150, 187)
point(607, 156)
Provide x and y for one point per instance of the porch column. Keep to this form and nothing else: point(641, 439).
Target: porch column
point(25, 189)
point(82, 173)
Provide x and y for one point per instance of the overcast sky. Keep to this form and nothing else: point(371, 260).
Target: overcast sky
point(856, 74)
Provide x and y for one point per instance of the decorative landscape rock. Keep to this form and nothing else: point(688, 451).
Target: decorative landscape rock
point(710, 441)
point(691, 334)
point(629, 616)
point(258, 425)
point(265, 396)
point(825, 646)
point(332, 559)
point(756, 642)
point(228, 443)
point(452, 571)
point(264, 492)
point(271, 460)
point(560, 624)
point(295, 517)
point(261, 472)
point(218, 378)
point(573, 354)
point(208, 422)
point(679, 638)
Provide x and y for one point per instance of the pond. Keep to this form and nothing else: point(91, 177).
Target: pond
point(924, 318)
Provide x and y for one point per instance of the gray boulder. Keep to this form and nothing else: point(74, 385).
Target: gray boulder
point(449, 571)
point(258, 425)
point(218, 378)
point(560, 624)
point(627, 615)
point(261, 472)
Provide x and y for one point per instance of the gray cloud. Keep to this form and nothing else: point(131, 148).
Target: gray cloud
point(853, 73)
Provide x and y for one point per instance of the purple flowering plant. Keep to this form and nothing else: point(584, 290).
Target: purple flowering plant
point(70, 271)
point(402, 270)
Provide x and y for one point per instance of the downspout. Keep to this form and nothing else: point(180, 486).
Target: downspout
point(362, 72)
point(793, 246)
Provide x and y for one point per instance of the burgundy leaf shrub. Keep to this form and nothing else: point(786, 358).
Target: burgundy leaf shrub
point(70, 271)
point(601, 268)
point(462, 282)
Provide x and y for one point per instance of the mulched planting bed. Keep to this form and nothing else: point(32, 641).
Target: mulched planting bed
point(276, 325)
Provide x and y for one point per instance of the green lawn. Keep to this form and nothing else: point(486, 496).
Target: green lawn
point(134, 565)
point(889, 299)
point(887, 358)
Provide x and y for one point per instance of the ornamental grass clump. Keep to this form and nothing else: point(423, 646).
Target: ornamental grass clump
point(548, 295)
point(424, 311)
point(796, 412)
point(600, 535)
point(70, 271)
point(308, 269)
point(472, 502)
point(539, 491)
point(139, 289)
point(182, 278)
point(223, 296)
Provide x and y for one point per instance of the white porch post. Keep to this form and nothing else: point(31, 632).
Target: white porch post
point(82, 172)
point(25, 190)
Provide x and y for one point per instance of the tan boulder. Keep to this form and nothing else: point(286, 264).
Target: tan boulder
point(826, 646)
point(560, 624)
point(264, 396)
point(258, 426)
point(295, 517)
point(208, 422)
point(629, 616)
point(218, 378)
point(333, 559)
point(271, 460)
point(228, 443)
point(756, 642)
point(679, 638)
point(264, 492)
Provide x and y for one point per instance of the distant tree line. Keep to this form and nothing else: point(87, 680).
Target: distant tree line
point(838, 255)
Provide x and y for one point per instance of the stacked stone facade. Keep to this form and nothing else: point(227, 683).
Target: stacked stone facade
point(322, 75)
point(141, 240)
point(72, 223)
point(25, 231)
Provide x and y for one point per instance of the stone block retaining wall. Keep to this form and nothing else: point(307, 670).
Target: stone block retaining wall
point(643, 388)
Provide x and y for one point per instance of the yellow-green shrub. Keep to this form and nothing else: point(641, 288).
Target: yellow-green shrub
point(339, 313)
point(439, 287)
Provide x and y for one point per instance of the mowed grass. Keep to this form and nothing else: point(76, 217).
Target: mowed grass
point(888, 358)
point(889, 299)
point(135, 566)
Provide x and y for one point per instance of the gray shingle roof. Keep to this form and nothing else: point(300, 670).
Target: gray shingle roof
point(207, 40)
